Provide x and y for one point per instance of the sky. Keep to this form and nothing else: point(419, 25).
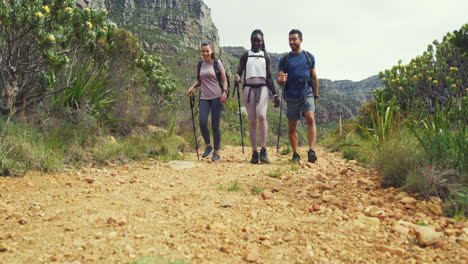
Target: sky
point(350, 39)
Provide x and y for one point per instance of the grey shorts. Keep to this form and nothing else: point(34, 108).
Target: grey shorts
point(296, 107)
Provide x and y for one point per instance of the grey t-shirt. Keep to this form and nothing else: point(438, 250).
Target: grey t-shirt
point(209, 83)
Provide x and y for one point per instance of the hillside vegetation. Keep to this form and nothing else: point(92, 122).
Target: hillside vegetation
point(68, 78)
point(414, 129)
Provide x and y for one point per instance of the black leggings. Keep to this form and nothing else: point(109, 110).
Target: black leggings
point(204, 110)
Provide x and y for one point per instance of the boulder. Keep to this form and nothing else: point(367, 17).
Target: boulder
point(426, 236)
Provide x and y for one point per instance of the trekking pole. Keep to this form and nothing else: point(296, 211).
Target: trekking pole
point(236, 86)
point(192, 104)
point(279, 125)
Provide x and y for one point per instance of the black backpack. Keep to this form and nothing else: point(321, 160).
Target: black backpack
point(309, 60)
point(218, 75)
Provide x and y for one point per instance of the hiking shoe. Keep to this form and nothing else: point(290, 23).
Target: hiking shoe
point(215, 157)
point(208, 151)
point(254, 159)
point(312, 156)
point(264, 156)
point(295, 157)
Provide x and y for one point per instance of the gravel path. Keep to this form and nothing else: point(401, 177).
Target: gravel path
point(333, 211)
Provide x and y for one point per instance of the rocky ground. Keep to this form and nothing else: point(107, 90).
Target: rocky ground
point(333, 211)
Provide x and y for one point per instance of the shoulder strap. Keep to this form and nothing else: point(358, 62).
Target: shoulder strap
point(217, 71)
point(198, 69)
point(309, 60)
point(216, 68)
point(256, 56)
point(309, 57)
point(218, 75)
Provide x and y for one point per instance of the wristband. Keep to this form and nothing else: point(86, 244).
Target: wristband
point(316, 96)
point(275, 95)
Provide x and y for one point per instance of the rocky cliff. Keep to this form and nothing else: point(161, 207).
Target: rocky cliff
point(163, 24)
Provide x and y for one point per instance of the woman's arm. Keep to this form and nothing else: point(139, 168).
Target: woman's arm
point(241, 67)
point(192, 88)
point(269, 81)
point(224, 80)
point(269, 78)
point(225, 86)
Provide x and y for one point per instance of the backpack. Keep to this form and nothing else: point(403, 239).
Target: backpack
point(309, 60)
point(218, 75)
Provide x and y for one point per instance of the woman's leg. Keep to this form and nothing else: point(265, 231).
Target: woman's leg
point(252, 115)
point(261, 111)
point(204, 111)
point(216, 109)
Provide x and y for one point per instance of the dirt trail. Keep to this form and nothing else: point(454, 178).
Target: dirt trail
point(330, 212)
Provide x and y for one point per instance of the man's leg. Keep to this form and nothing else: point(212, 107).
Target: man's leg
point(311, 128)
point(292, 125)
point(309, 116)
point(293, 111)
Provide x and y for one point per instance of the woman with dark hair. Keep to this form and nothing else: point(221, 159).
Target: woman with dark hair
point(255, 64)
point(211, 78)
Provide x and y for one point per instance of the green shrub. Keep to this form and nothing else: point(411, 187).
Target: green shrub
point(396, 158)
point(444, 142)
point(427, 181)
point(384, 122)
point(435, 78)
point(457, 203)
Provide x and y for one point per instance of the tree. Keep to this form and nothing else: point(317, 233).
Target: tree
point(44, 38)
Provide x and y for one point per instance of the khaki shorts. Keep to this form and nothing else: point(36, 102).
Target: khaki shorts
point(296, 107)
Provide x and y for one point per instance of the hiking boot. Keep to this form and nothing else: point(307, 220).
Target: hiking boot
point(208, 151)
point(295, 157)
point(312, 156)
point(254, 159)
point(264, 156)
point(215, 157)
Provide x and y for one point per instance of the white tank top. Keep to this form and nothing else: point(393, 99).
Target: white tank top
point(256, 65)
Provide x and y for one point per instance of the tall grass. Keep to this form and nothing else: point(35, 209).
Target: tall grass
point(383, 122)
point(397, 157)
point(444, 142)
point(24, 148)
point(90, 89)
point(47, 148)
point(457, 204)
point(159, 145)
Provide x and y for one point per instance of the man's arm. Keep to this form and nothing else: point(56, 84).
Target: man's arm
point(315, 89)
point(313, 75)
